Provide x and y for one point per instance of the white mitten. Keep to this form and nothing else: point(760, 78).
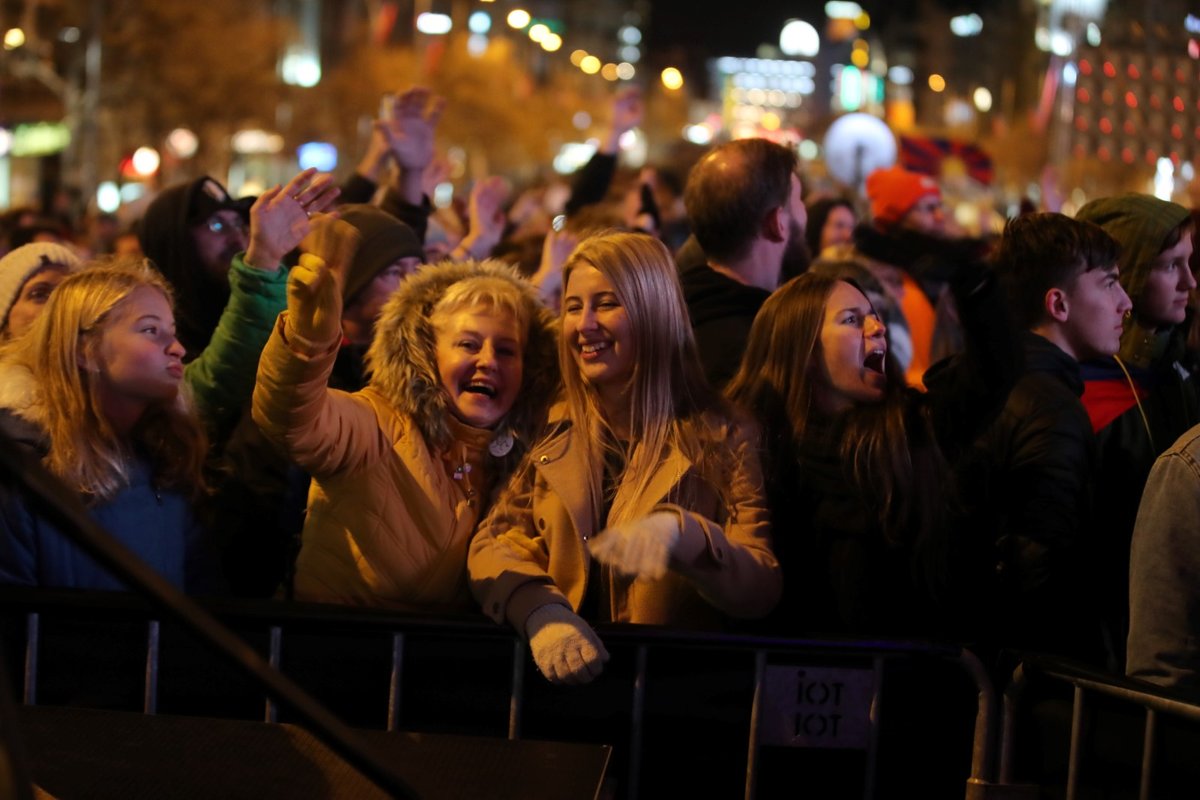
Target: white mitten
point(565, 648)
point(641, 547)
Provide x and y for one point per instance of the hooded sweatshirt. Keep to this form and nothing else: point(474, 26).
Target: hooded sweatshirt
point(398, 482)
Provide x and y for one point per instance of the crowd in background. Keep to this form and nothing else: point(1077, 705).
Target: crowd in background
point(703, 399)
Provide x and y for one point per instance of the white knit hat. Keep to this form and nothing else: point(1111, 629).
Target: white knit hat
point(20, 264)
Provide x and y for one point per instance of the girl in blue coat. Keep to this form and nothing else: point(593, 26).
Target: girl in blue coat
point(94, 388)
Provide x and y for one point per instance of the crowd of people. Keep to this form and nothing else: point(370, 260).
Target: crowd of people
point(709, 402)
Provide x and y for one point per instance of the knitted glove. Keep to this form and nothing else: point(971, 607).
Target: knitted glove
point(314, 300)
point(564, 647)
point(641, 547)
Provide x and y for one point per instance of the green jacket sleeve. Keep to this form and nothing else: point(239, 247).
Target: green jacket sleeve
point(221, 378)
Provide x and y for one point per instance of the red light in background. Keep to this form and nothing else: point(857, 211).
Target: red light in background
point(1085, 67)
point(1176, 131)
point(1081, 123)
point(1151, 157)
point(1133, 72)
point(1131, 99)
point(1178, 103)
point(1083, 95)
point(1105, 125)
point(1109, 69)
point(1127, 156)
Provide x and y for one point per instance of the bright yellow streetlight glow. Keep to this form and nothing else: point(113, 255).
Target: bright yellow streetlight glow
point(770, 121)
point(609, 72)
point(672, 78)
point(578, 56)
point(518, 18)
point(13, 38)
point(551, 42)
point(538, 32)
point(937, 82)
point(862, 21)
point(590, 65)
point(860, 59)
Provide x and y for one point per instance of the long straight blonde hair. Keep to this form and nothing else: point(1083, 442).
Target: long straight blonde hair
point(84, 448)
point(669, 398)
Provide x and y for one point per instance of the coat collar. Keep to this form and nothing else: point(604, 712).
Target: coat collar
point(560, 459)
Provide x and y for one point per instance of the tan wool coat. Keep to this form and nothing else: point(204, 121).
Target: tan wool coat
point(531, 550)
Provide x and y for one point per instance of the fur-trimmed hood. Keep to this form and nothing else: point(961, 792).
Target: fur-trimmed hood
point(402, 359)
point(21, 407)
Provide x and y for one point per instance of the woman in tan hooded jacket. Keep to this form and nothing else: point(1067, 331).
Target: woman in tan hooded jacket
point(461, 370)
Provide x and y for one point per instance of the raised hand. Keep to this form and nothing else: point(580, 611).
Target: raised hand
point(279, 218)
point(548, 279)
point(487, 220)
point(314, 285)
point(410, 129)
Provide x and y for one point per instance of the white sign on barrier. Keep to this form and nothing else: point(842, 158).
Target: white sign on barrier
point(826, 707)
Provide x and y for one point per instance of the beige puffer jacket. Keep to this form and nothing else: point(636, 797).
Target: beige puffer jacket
point(388, 521)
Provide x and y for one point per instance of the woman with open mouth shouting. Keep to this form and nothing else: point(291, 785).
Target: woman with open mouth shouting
point(461, 373)
point(644, 502)
point(859, 463)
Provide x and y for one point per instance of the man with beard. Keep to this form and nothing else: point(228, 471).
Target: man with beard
point(743, 203)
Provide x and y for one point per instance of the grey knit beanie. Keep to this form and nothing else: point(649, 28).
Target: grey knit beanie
point(18, 266)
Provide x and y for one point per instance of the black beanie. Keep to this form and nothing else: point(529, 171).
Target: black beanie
point(385, 239)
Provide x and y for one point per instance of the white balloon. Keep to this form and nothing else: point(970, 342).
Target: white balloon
point(856, 145)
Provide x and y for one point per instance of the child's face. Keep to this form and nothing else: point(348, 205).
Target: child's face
point(139, 358)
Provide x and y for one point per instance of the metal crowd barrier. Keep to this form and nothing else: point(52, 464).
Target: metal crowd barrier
point(1088, 682)
point(277, 619)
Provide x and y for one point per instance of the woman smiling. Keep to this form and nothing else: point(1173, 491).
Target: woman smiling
point(644, 502)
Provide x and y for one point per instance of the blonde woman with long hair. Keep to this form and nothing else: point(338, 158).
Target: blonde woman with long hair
point(94, 388)
point(644, 502)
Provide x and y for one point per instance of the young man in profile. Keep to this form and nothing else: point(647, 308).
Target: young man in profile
point(1029, 481)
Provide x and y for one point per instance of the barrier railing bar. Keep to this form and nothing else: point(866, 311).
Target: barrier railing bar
point(873, 732)
point(32, 626)
point(516, 696)
point(65, 509)
point(1077, 710)
point(637, 711)
point(1008, 735)
point(760, 673)
point(150, 700)
point(1148, 755)
point(983, 754)
point(274, 658)
point(393, 715)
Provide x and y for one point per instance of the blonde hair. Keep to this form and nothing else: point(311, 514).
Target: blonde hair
point(84, 448)
point(668, 394)
point(490, 292)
